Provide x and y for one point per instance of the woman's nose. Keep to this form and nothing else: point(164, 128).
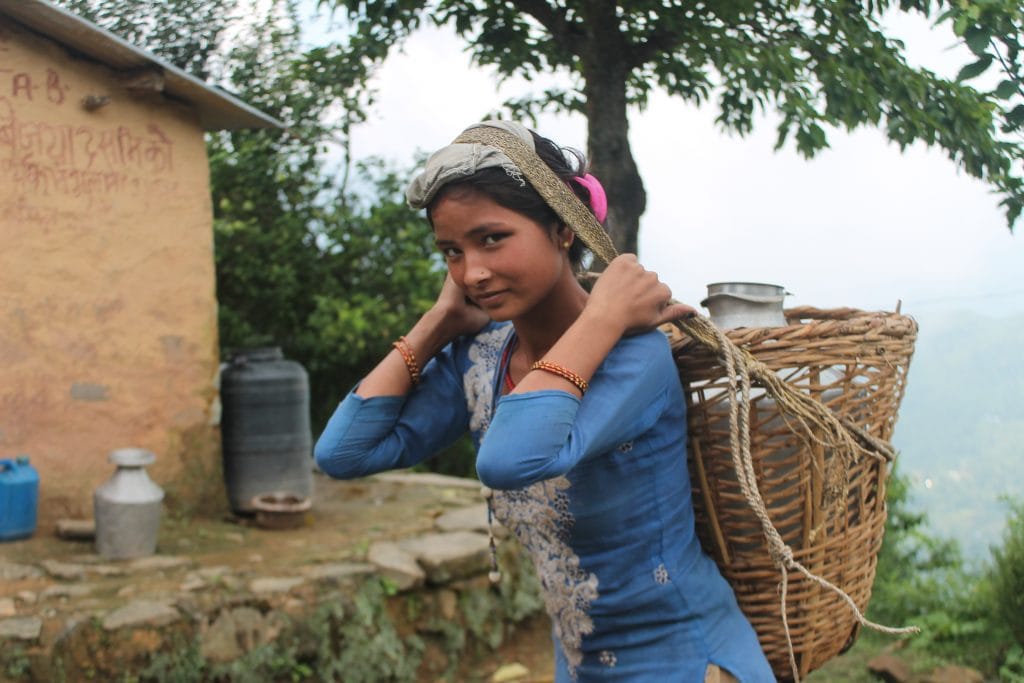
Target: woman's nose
point(476, 273)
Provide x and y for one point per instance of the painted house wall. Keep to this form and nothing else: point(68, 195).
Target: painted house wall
point(108, 314)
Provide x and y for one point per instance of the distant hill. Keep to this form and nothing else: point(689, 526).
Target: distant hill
point(961, 427)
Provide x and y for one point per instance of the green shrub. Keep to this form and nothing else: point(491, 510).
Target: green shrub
point(1007, 575)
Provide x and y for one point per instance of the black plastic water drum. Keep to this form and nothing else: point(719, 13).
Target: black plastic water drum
point(265, 432)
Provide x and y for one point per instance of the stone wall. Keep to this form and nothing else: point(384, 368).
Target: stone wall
point(387, 582)
point(108, 320)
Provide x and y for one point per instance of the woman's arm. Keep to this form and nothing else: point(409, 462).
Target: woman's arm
point(450, 317)
point(625, 300)
point(369, 435)
point(386, 422)
point(541, 429)
point(543, 434)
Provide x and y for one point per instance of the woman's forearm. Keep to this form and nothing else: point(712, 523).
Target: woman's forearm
point(581, 349)
point(391, 377)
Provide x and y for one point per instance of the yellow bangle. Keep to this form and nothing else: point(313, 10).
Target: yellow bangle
point(410, 359)
point(564, 373)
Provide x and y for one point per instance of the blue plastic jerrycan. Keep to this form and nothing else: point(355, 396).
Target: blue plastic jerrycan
point(19, 498)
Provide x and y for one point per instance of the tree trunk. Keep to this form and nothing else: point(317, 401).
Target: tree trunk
point(604, 73)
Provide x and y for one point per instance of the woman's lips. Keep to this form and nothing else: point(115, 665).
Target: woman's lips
point(489, 298)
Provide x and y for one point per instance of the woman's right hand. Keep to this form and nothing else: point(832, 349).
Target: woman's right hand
point(633, 298)
point(455, 313)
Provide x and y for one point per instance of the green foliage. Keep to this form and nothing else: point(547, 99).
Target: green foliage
point(183, 663)
point(15, 663)
point(819, 65)
point(303, 262)
point(992, 31)
point(374, 650)
point(1012, 670)
point(965, 616)
point(359, 645)
point(187, 33)
point(917, 573)
point(333, 286)
point(1007, 575)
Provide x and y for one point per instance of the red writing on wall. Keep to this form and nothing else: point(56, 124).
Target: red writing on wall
point(40, 179)
point(27, 86)
point(83, 147)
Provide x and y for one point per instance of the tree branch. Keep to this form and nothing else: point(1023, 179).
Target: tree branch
point(555, 20)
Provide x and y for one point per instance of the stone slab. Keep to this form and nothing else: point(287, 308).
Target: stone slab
point(889, 668)
point(67, 571)
point(338, 571)
point(395, 564)
point(472, 518)
point(427, 479)
point(448, 556)
point(158, 562)
point(21, 628)
point(141, 613)
point(275, 584)
point(61, 591)
point(10, 571)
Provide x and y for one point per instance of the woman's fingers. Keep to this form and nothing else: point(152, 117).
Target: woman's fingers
point(636, 296)
point(676, 311)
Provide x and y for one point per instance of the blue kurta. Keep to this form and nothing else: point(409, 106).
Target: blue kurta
point(596, 489)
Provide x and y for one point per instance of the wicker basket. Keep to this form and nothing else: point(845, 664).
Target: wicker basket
point(854, 362)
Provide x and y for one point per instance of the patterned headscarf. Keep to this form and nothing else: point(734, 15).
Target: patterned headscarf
point(509, 146)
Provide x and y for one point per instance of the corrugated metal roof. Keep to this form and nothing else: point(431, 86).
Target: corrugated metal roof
point(217, 109)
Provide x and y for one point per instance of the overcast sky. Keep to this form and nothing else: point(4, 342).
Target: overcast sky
point(860, 225)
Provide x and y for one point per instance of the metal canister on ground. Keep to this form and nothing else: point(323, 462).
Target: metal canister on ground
point(128, 507)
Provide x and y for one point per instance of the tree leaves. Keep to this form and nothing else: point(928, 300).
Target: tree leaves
point(974, 69)
point(821, 65)
point(977, 39)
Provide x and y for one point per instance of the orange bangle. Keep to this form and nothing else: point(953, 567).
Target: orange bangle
point(410, 359)
point(564, 373)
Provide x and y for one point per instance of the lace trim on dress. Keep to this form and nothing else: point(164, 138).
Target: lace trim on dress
point(538, 515)
point(478, 382)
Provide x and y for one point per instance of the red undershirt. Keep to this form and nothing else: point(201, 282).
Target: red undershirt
point(506, 356)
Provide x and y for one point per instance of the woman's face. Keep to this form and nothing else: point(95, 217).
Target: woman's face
point(504, 262)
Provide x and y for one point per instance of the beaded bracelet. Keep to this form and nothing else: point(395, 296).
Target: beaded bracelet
point(410, 359)
point(564, 373)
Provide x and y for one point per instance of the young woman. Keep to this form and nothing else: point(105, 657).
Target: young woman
point(574, 404)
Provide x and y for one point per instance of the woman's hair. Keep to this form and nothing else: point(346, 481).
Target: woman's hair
point(516, 194)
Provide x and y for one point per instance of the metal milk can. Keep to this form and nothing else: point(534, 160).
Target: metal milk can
point(127, 507)
point(745, 304)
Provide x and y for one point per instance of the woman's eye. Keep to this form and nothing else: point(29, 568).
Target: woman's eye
point(493, 239)
point(450, 252)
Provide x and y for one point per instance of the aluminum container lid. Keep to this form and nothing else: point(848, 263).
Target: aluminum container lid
point(757, 292)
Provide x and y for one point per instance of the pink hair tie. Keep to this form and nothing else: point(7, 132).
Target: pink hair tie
point(598, 199)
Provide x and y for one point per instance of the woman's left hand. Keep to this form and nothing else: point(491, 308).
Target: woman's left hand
point(630, 296)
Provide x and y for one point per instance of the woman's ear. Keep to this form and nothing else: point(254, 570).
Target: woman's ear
point(565, 236)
